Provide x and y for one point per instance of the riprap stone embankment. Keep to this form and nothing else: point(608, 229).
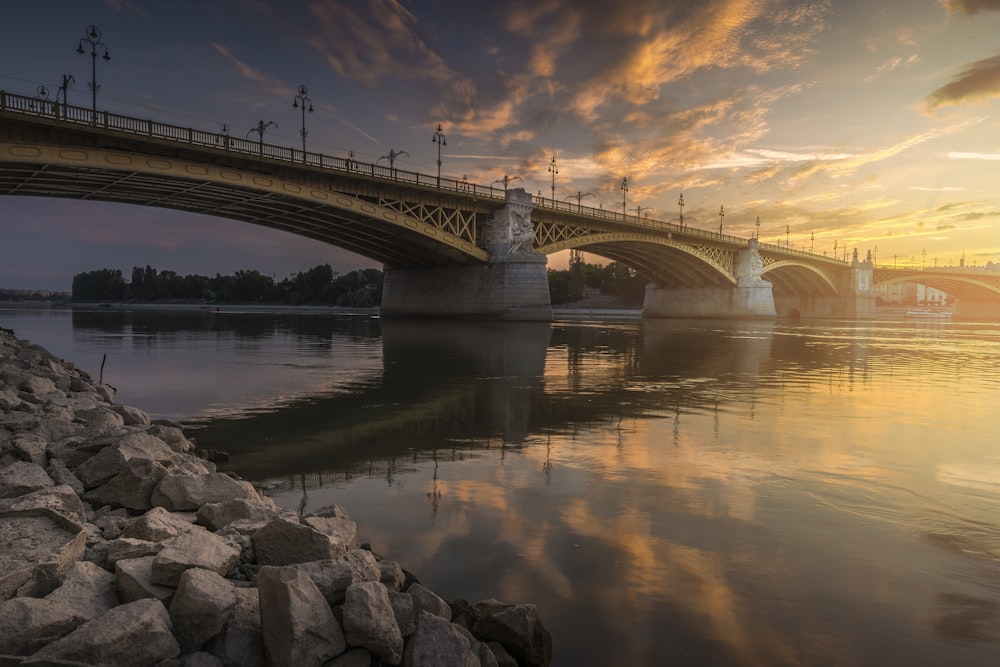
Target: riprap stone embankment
point(121, 545)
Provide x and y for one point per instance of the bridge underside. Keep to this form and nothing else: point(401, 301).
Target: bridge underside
point(353, 226)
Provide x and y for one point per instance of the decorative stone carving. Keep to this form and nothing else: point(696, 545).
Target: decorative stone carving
point(749, 266)
point(512, 232)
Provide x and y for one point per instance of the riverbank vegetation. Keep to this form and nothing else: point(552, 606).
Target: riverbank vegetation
point(320, 285)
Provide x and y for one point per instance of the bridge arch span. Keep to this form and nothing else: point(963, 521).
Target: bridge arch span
point(791, 276)
point(661, 260)
point(312, 208)
point(975, 287)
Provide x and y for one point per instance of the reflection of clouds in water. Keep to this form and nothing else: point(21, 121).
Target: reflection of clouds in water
point(963, 618)
point(982, 477)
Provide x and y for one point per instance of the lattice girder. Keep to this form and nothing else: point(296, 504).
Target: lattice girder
point(457, 222)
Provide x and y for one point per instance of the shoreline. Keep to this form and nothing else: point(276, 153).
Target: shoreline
point(121, 543)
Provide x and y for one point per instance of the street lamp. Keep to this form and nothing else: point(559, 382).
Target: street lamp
point(391, 157)
point(579, 199)
point(439, 139)
point(93, 36)
point(722, 214)
point(758, 230)
point(787, 231)
point(624, 189)
point(812, 241)
point(680, 203)
point(260, 129)
point(302, 99)
point(506, 180)
point(554, 170)
point(66, 80)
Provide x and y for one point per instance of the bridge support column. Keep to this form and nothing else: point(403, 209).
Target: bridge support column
point(854, 300)
point(513, 285)
point(750, 298)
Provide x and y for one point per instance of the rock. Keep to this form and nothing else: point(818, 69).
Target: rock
point(240, 643)
point(216, 516)
point(402, 609)
point(189, 492)
point(30, 447)
point(60, 499)
point(28, 624)
point(332, 578)
point(157, 525)
point(131, 488)
point(22, 477)
point(517, 627)
point(38, 385)
point(108, 462)
point(296, 622)
point(172, 435)
point(344, 531)
point(136, 633)
point(39, 546)
point(503, 657)
point(198, 548)
point(201, 607)
point(356, 657)
point(281, 542)
point(369, 621)
point(128, 548)
point(391, 575)
point(425, 599)
point(437, 643)
point(363, 564)
point(101, 419)
point(135, 581)
point(88, 589)
point(62, 475)
point(131, 416)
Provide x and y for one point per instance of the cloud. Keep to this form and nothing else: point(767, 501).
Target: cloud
point(254, 74)
point(978, 81)
point(893, 63)
point(958, 155)
point(970, 6)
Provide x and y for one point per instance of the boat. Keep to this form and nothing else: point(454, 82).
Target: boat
point(926, 313)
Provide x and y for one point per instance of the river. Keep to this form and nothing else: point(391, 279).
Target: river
point(666, 492)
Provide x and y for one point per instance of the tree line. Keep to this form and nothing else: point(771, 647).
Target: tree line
point(321, 286)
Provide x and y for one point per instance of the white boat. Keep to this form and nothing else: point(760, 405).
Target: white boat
point(925, 313)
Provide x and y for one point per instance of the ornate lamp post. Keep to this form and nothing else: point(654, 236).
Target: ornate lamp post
point(391, 157)
point(302, 99)
point(506, 180)
point(260, 129)
point(680, 202)
point(624, 189)
point(439, 139)
point(579, 199)
point(787, 231)
point(67, 79)
point(93, 36)
point(758, 231)
point(553, 169)
point(722, 214)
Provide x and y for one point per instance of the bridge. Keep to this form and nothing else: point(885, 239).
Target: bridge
point(449, 248)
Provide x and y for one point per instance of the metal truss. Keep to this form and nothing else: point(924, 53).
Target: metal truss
point(458, 223)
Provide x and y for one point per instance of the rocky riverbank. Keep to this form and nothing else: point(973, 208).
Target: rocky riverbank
point(120, 544)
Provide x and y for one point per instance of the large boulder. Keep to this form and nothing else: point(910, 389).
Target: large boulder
point(39, 546)
point(28, 624)
point(240, 643)
point(158, 525)
point(216, 516)
point(137, 633)
point(135, 581)
point(427, 600)
point(201, 607)
point(438, 643)
point(88, 589)
point(516, 626)
point(198, 548)
point(282, 542)
point(298, 626)
point(21, 477)
point(108, 462)
point(369, 621)
point(131, 488)
point(189, 492)
point(61, 499)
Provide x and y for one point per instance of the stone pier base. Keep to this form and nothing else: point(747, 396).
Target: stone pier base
point(515, 289)
point(749, 302)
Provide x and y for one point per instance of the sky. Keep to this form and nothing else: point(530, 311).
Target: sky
point(869, 124)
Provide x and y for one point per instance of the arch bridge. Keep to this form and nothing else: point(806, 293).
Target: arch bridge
point(449, 247)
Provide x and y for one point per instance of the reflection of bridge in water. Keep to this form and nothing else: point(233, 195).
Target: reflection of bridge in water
point(450, 390)
point(450, 248)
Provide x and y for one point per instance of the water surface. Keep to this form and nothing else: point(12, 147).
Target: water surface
point(667, 492)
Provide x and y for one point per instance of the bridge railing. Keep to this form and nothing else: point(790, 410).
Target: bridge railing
point(107, 120)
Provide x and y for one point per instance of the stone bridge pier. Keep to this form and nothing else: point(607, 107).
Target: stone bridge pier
point(512, 285)
point(854, 300)
point(750, 298)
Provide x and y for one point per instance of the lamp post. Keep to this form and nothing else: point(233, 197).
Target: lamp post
point(722, 214)
point(680, 203)
point(554, 170)
point(391, 157)
point(64, 87)
point(506, 180)
point(758, 229)
point(787, 231)
point(93, 36)
point(260, 129)
point(579, 199)
point(439, 139)
point(624, 188)
point(302, 99)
